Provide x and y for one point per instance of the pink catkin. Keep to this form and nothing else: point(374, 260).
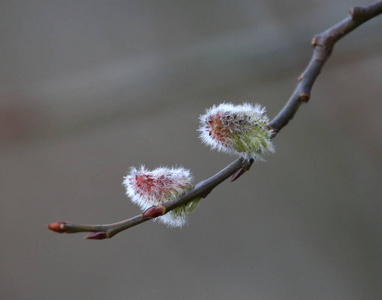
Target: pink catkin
point(150, 188)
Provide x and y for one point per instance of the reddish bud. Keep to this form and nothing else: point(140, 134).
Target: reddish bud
point(237, 174)
point(57, 227)
point(97, 236)
point(154, 212)
point(304, 97)
point(242, 170)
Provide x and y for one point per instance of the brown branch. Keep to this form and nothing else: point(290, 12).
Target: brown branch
point(201, 190)
point(323, 44)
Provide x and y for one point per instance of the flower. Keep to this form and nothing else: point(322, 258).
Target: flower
point(150, 188)
point(237, 129)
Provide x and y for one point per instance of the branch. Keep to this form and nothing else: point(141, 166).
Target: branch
point(202, 189)
point(323, 44)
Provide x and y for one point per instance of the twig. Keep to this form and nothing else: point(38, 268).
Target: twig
point(202, 189)
point(323, 44)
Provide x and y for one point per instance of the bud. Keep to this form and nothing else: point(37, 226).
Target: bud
point(101, 235)
point(154, 212)
point(237, 129)
point(151, 188)
point(57, 227)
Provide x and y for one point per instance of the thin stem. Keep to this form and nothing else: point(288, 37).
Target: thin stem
point(201, 190)
point(323, 44)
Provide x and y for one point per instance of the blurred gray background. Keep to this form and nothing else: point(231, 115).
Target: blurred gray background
point(90, 88)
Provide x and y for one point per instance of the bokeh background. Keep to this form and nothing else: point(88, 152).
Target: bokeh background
point(90, 88)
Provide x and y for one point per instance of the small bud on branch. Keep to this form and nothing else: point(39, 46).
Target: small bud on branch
point(97, 236)
point(154, 212)
point(57, 227)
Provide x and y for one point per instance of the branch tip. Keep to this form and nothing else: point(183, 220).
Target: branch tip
point(57, 227)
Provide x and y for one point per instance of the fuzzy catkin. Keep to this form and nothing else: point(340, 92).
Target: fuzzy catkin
point(150, 188)
point(237, 129)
